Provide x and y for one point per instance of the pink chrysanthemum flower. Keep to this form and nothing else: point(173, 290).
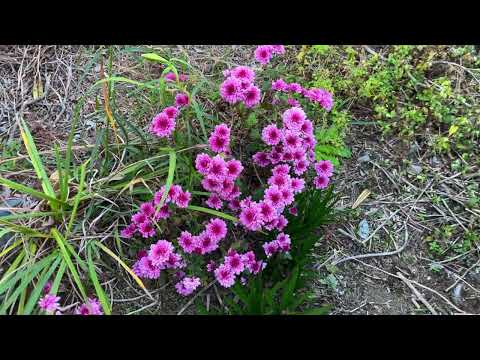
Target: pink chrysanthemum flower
point(49, 303)
point(171, 112)
point(271, 135)
point(252, 96)
point(183, 199)
point(217, 229)
point(218, 144)
point(202, 163)
point(170, 76)
point(163, 213)
point(279, 180)
point(293, 211)
point(225, 276)
point(297, 185)
point(218, 168)
point(263, 54)
point(181, 99)
point(47, 287)
point(249, 259)
point(261, 159)
point(291, 140)
point(287, 195)
point(273, 195)
point(230, 90)
point(210, 184)
point(235, 263)
point(173, 192)
point(275, 157)
point(300, 167)
point(234, 205)
point(214, 202)
point(278, 49)
point(251, 218)
point(321, 181)
point(293, 118)
point(183, 77)
point(234, 168)
point(144, 268)
point(146, 229)
point(267, 211)
point(279, 85)
point(243, 73)
point(283, 241)
point(187, 285)
point(174, 261)
point(162, 125)
point(148, 209)
point(257, 267)
point(91, 307)
point(186, 242)
point(283, 169)
point(324, 167)
point(281, 223)
point(222, 130)
point(270, 248)
point(211, 266)
point(299, 154)
point(296, 88)
point(160, 252)
point(129, 231)
point(307, 127)
point(293, 102)
point(139, 218)
point(206, 243)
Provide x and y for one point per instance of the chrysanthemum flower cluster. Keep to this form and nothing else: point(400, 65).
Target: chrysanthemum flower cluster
point(219, 175)
point(264, 53)
point(239, 86)
point(320, 96)
point(234, 264)
point(161, 256)
point(144, 220)
point(50, 304)
point(163, 123)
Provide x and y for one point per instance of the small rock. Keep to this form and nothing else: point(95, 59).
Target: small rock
point(457, 294)
point(415, 169)
point(364, 229)
point(364, 158)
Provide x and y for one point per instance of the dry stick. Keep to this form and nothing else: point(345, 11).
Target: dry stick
point(197, 295)
point(463, 276)
point(453, 215)
point(387, 253)
point(417, 293)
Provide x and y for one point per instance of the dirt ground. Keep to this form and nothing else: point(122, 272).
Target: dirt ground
point(390, 271)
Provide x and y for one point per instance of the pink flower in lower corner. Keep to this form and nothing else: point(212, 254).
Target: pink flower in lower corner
point(91, 307)
point(231, 90)
point(183, 199)
point(214, 202)
point(270, 248)
point(252, 96)
point(49, 303)
point(235, 262)
point(146, 229)
point(128, 231)
point(271, 135)
point(324, 167)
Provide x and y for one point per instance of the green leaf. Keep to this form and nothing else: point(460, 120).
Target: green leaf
point(155, 58)
point(68, 260)
point(36, 161)
point(212, 212)
point(98, 288)
point(77, 199)
point(27, 190)
point(251, 120)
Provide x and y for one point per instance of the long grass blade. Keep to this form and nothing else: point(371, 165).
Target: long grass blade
point(212, 212)
point(66, 256)
point(98, 288)
point(76, 200)
point(125, 266)
point(28, 190)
